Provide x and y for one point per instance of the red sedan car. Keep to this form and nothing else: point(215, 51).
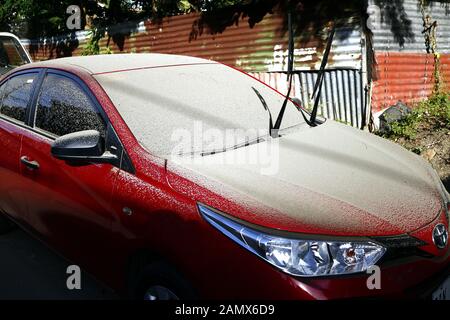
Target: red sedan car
point(157, 174)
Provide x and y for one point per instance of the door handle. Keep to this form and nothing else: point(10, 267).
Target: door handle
point(32, 165)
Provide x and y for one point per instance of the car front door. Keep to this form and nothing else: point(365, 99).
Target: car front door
point(69, 205)
point(15, 97)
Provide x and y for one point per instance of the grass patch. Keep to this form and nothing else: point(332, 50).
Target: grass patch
point(426, 132)
point(432, 114)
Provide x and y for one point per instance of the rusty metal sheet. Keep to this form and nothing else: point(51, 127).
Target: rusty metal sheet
point(342, 98)
point(406, 77)
point(408, 37)
point(404, 69)
point(261, 48)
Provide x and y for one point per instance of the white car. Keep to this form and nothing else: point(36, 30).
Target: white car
point(12, 53)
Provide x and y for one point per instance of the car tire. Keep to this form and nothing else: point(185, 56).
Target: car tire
point(6, 225)
point(161, 281)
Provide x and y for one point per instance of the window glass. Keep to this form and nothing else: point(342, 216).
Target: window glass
point(15, 97)
point(63, 108)
point(2, 90)
point(161, 105)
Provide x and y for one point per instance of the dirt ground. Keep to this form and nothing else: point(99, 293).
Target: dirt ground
point(434, 146)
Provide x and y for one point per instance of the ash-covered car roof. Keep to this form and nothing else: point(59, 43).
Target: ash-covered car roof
point(120, 62)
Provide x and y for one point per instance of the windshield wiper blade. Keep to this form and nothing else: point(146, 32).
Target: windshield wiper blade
point(263, 102)
point(238, 146)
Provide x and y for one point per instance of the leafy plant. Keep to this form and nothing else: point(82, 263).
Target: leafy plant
point(92, 46)
point(433, 113)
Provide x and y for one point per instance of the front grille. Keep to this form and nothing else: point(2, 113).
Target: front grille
point(403, 246)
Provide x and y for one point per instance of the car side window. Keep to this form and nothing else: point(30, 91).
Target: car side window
point(16, 94)
point(63, 108)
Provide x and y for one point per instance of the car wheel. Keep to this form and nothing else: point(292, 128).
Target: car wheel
point(160, 281)
point(6, 225)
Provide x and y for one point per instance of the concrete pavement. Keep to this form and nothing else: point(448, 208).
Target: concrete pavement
point(30, 270)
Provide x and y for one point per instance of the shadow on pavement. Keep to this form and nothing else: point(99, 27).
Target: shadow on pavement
point(29, 270)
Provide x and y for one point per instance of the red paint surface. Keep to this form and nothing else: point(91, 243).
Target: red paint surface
point(78, 210)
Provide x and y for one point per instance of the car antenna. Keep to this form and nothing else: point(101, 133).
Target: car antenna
point(318, 85)
point(290, 66)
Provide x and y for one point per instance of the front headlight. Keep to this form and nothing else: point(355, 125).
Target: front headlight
point(304, 258)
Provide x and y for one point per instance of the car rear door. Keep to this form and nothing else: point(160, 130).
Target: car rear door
point(69, 205)
point(15, 98)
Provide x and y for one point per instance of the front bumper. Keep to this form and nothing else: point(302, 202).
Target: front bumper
point(416, 279)
point(248, 277)
point(411, 268)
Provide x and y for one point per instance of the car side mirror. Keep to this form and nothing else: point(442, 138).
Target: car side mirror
point(82, 147)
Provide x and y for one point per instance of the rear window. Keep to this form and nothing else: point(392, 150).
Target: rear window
point(15, 95)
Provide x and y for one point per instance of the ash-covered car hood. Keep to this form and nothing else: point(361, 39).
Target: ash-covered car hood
point(331, 178)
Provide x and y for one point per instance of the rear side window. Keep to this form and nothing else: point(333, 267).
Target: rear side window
point(63, 108)
point(15, 96)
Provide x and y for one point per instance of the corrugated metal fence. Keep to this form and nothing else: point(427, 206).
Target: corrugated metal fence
point(258, 48)
point(261, 50)
point(404, 69)
point(343, 97)
point(405, 34)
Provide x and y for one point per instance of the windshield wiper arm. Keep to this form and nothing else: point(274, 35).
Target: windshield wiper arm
point(290, 68)
point(318, 85)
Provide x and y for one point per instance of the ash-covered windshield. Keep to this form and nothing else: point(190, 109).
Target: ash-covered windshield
point(197, 108)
